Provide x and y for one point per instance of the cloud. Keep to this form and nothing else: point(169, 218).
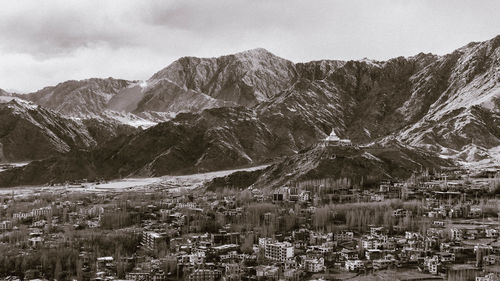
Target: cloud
point(46, 42)
point(52, 28)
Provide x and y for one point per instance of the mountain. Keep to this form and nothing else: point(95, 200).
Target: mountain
point(363, 100)
point(211, 140)
point(466, 113)
point(254, 107)
point(442, 103)
point(162, 96)
point(368, 164)
point(193, 84)
point(6, 96)
point(30, 132)
point(245, 78)
point(78, 98)
point(361, 165)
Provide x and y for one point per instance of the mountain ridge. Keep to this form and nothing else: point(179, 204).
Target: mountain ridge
point(246, 108)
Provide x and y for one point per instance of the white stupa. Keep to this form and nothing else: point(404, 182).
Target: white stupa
point(332, 137)
point(334, 140)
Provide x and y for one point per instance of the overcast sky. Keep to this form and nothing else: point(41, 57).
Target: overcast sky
point(46, 42)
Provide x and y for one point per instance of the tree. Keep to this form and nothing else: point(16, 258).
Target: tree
point(58, 270)
point(247, 246)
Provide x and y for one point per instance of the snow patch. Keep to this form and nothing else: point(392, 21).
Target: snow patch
point(367, 132)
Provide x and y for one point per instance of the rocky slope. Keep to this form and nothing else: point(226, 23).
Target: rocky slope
point(394, 161)
point(467, 111)
point(164, 96)
point(30, 132)
point(245, 78)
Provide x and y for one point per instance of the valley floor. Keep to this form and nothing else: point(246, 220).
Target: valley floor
point(172, 183)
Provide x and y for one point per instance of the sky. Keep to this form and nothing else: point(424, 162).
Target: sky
point(43, 43)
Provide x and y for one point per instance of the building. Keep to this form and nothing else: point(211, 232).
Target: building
point(155, 275)
point(5, 225)
point(150, 240)
point(269, 271)
point(42, 212)
point(343, 236)
point(105, 264)
point(488, 277)
point(281, 194)
point(264, 241)
point(456, 234)
point(354, 265)
point(197, 257)
point(279, 251)
point(314, 265)
point(21, 216)
point(432, 264)
point(205, 275)
point(334, 140)
point(223, 237)
point(371, 242)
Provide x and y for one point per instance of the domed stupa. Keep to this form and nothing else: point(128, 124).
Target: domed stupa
point(334, 140)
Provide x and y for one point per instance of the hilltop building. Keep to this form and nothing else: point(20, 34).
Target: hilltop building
point(333, 140)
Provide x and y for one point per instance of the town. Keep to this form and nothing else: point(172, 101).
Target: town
point(433, 226)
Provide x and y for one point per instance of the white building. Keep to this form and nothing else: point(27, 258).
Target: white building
point(20, 216)
point(491, 233)
point(279, 251)
point(354, 265)
point(334, 140)
point(5, 225)
point(431, 264)
point(314, 265)
point(150, 239)
point(343, 236)
point(197, 258)
point(488, 277)
point(45, 211)
point(456, 234)
point(264, 241)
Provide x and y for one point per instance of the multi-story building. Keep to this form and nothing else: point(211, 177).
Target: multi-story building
point(45, 211)
point(5, 225)
point(354, 265)
point(279, 251)
point(150, 240)
point(197, 258)
point(20, 216)
point(456, 234)
point(370, 242)
point(343, 236)
point(264, 241)
point(314, 265)
point(488, 277)
point(205, 275)
point(431, 264)
point(155, 275)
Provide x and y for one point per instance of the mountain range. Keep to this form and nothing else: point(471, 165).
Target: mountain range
point(203, 114)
